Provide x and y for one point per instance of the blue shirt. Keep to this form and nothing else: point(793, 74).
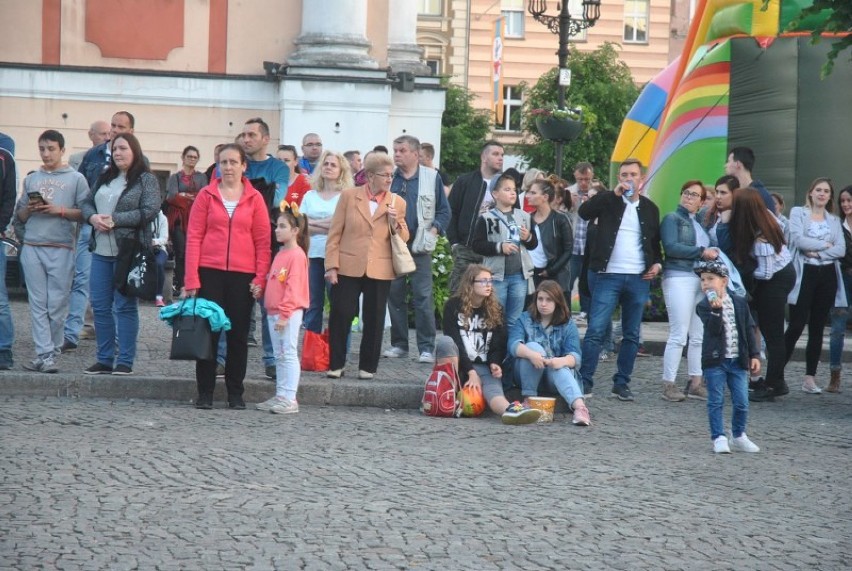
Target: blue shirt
point(272, 170)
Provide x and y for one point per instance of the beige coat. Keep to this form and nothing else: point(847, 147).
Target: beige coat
point(359, 243)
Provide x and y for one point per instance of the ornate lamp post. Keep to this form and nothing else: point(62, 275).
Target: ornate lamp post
point(566, 27)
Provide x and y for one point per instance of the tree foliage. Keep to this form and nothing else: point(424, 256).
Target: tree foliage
point(464, 129)
point(600, 84)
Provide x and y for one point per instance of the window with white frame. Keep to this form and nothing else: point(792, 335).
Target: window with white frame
point(513, 14)
point(429, 7)
point(512, 101)
point(636, 21)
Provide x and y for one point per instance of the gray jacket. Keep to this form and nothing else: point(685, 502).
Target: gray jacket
point(64, 187)
point(136, 207)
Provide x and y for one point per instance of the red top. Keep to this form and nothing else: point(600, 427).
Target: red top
point(297, 190)
point(236, 244)
point(287, 286)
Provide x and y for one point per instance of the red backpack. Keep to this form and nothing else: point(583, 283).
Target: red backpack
point(439, 395)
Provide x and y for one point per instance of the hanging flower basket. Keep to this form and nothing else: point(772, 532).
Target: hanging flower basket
point(558, 129)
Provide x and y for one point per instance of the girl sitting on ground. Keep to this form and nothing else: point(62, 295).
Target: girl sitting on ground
point(546, 344)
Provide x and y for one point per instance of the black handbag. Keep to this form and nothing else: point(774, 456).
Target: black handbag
point(192, 338)
point(136, 269)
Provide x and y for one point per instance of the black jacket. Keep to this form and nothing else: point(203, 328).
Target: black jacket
point(609, 209)
point(713, 346)
point(557, 237)
point(465, 199)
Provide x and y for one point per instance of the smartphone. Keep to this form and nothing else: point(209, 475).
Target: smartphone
point(36, 199)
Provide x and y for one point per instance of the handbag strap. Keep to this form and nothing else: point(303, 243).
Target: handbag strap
point(390, 226)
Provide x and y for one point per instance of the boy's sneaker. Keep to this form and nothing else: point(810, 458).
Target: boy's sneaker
point(394, 352)
point(122, 370)
point(34, 365)
point(426, 357)
point(99, 369)
point(285, 406)
point(720, 445)
point(47, 365)
point(581, 416)
point(743, 444)
point(671, 393)
point(622, 392)
point(267, 404)
point(517, 413)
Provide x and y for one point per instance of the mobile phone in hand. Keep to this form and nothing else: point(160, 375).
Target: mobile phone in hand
point(36, 199)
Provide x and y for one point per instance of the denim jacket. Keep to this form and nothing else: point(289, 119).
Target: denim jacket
point(560, 341)
point(678, 235)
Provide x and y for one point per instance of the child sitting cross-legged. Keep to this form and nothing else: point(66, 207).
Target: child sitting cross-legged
point(729, 352)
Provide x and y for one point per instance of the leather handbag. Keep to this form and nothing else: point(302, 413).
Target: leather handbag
point(192, 338)
point(403, 263)
point(136, 268)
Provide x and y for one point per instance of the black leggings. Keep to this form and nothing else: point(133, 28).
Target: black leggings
point(769, 301)
point(816, 298)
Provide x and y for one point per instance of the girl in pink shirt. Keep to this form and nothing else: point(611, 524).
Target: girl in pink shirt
point(286, 298)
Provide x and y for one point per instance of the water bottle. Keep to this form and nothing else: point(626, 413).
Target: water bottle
point(711, 295)
point(628, 189)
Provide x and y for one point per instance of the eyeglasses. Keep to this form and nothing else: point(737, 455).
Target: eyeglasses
point(691, 194)
point(484, 282)
point(314, 145)
point(384, 175)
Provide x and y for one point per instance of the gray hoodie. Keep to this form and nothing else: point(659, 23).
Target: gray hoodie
point(64, 187)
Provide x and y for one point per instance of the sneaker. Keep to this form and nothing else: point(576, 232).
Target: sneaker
point(671, 393)
point(604, 357)
point(365, 375)
point(236, 403)
point(720, 445)
point(34, 365)
point(252, 342)
point(204, 402)
point(698, 391)
point(762, 394)
point(581, 416)
point(159, 301)
point(122, 370)
point(641, 352)
point(269, 372)
point(99, 369)
point(587, 390)
point(286, 406)
point(517, 413)
point(622, 392)
point(426, 357)
point(334, 373)
point(68, 346)
point(40, 365)
point(811, 389)
point(394, 352)
point(267, 404)
point(220, 371)
point(743, 444)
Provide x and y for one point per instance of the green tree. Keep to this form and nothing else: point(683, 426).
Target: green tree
point(464, 129)
point(602, 85)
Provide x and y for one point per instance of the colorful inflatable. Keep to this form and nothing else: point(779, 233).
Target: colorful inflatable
point(742, 80)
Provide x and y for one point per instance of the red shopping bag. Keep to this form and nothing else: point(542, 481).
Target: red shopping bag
point(315, 355)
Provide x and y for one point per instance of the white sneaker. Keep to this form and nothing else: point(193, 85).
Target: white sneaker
point(426, 357)
point(743, 444)
point(268, 404)
point(394, 352)
point(720, 445)
point(285, 406)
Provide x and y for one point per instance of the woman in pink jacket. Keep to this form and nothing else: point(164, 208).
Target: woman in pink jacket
point(227, 259)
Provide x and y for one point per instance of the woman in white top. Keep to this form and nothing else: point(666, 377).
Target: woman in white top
point(332, 175)
point(817, 244)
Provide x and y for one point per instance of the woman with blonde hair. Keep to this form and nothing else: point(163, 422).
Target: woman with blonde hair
point(331, 176)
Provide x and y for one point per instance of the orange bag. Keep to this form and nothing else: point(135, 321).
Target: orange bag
point(315, 353)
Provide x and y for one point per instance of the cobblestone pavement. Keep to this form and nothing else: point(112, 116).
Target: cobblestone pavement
point(99, 484)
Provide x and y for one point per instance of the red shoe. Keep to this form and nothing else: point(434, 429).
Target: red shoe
point(159, 301)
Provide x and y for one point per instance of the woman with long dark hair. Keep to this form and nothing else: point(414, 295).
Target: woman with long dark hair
point(555, 236)
point(125, 200)
point(754, 241)
point(817, 244)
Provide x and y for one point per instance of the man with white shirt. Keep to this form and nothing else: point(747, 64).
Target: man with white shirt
point(624, 257)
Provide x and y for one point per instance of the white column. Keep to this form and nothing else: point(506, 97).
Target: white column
point(403, 52)
point(333, 35)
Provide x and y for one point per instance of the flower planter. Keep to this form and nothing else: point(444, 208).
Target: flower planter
point(559, 130)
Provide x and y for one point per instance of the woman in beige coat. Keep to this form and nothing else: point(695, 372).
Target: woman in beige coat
point(358, 262)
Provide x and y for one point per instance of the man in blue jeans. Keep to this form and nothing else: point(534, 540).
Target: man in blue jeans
point(625, 256)
point(8, 194)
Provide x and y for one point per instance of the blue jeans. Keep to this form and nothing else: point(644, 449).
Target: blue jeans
point(576, 266)
point(319, 289)
point(735, 377)
point(162, 257)
point(560, 380)
point(79, 299)
point(7, 330)
point(511, 292)
point(424, 306)
point(609, 338)
point(610, 290)
point(839, 318)
point(115, 315)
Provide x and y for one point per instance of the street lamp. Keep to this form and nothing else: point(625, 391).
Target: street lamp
point(565, 27)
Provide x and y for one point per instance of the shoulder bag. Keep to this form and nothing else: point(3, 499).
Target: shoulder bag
point(403, 263)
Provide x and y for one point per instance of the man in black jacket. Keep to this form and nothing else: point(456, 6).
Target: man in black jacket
point(468, 198)
point(625, 256)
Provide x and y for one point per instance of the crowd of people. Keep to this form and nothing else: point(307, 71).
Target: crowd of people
point(293, 231)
